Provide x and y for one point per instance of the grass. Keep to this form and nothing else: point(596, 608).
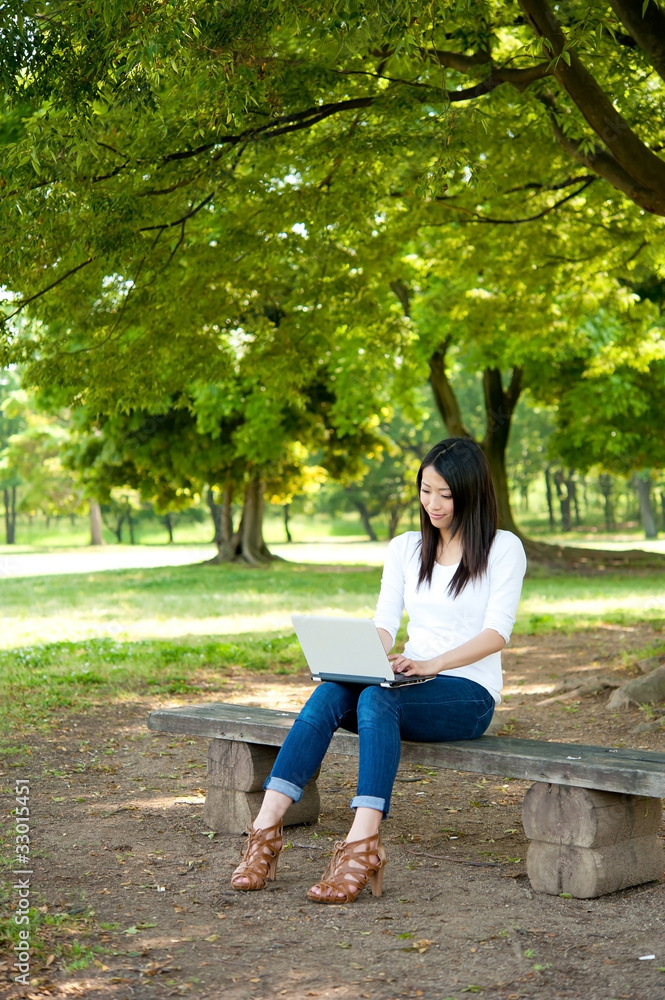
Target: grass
point(84, 640)
point(41, 682)
point(195, 601)
point(172, 602)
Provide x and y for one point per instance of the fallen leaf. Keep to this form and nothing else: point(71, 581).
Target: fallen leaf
point(49, 961)
point(215, 937)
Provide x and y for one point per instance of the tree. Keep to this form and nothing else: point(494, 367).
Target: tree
point(98, 187)
point(610, 419)
point(388, 486)
point(31, 474)
point(305, 151)
point(12, 420)
point(196, 446)
point(516, 305)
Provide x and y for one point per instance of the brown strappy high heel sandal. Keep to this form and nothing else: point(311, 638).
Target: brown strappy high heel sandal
point(341, 882)
point(259, 862)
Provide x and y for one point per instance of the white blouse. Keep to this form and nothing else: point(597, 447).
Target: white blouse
point(438, 622)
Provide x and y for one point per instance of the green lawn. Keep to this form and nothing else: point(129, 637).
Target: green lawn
point(68, 642)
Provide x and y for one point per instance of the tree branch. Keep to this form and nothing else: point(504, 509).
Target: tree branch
point(537, 186)
point(456, 60)
point(640, 162)
point(182, 219)
point(604, 164)
point(514, 222)
point(444, 394)
point(291, 123)
point(43, 291)
point(647, 28)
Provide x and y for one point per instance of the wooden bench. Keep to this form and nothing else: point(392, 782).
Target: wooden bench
point(592, 815)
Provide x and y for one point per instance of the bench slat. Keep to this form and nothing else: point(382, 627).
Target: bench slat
point(635, 772)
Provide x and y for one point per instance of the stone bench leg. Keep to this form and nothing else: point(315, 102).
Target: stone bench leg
point(589, 843)
point(236, 773)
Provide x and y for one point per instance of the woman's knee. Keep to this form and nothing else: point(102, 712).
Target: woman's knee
point(377, 703)
point(328, 702)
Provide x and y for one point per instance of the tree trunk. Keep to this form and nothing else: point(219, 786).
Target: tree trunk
point(393, 521)
point(287, 507)
point(564, 499)
point(168, 524)
point(444, 395)
point(662, 507)
point(130, 522)
point(500, 405)
point(364, 517)
point(246, 542)
point(96, 537)
point(216, 514)
point(253, 548)
point(642, 486)
point(10, 515)
point(605, 486)
point(574, 499)
point(548, 494)
point(117, 531)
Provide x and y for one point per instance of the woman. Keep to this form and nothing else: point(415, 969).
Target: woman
point(460, 580)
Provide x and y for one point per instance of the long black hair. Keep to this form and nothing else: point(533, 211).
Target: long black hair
point(461, 462)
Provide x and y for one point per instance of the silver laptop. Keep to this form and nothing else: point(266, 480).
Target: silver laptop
point(347, 650)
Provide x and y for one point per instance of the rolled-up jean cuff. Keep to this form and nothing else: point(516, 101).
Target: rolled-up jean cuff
point(369, 802)
point(285, 787)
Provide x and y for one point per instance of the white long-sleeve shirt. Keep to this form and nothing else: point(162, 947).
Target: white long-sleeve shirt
point(438, 622)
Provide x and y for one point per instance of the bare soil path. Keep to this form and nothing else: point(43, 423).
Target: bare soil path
point(137, 893)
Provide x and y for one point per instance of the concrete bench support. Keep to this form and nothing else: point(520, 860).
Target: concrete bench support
point(588, 843)
point(236, 773)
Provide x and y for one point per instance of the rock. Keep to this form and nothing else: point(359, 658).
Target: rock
point(649, 727)
point(649, 663)
point(648, 689)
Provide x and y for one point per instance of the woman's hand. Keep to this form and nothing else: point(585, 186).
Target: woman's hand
point(413, 668)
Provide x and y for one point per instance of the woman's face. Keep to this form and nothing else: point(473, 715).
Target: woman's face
point(436, 498)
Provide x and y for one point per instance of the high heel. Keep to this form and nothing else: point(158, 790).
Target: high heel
point(342, 882)
point(259, 862)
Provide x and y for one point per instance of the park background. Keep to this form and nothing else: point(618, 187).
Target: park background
point(257, 258)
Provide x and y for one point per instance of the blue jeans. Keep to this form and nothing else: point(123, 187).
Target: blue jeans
point(446, 708)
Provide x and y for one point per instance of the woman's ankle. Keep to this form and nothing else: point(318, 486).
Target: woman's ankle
point(272, 810)
point(265, 822)
point(365, 825)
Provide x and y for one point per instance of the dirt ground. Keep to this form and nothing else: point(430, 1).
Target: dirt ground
point(120, 849)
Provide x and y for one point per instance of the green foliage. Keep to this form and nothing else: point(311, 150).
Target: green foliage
point(31, 443)
point(204, 209)
point(612, 419)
